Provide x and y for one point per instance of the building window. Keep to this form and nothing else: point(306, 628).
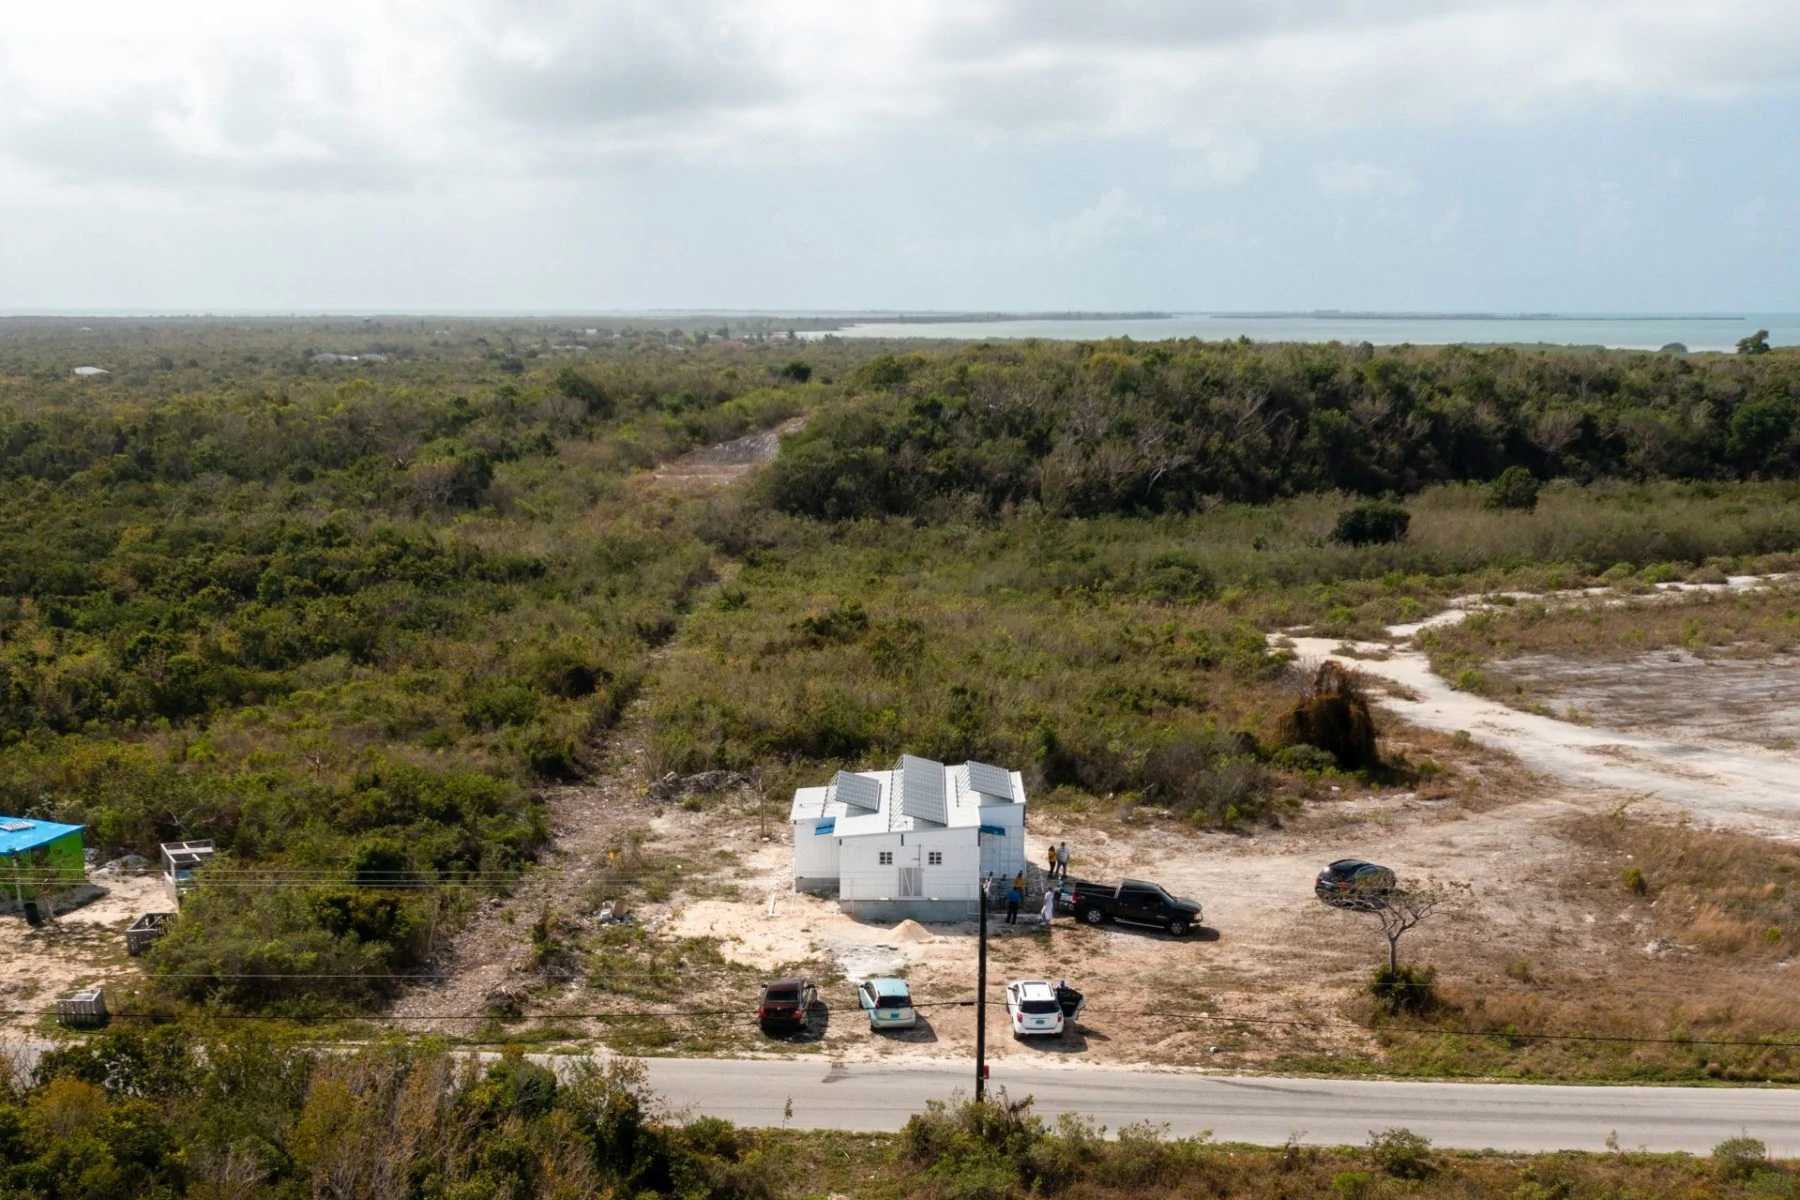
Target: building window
point(887, 858)
point(935, 858)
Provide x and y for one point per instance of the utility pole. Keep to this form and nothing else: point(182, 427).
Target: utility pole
point(981, 999)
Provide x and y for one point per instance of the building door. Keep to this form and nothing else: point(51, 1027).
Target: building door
point(912, 883)
point(993, 855)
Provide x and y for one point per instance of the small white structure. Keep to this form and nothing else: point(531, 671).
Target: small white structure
point(915, 841)
point(180, 861)
point(91, 372)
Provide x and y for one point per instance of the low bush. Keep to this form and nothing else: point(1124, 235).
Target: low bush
point(1401, 1153)
point(1375, 523)
point(1406, 990)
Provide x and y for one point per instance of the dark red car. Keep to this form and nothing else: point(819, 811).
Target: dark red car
point(785, 1003)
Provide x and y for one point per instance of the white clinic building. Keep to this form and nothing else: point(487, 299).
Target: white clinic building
point(915, 841)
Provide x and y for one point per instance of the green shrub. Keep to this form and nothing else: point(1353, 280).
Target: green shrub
point(1737, 1159)
point(1411, 991)
point(1632, 880)
point(1401, 1153)
point(1371, 524)
point(1303, 758)
point(1516, 488)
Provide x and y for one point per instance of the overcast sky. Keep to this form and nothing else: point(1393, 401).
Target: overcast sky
point(276, 155)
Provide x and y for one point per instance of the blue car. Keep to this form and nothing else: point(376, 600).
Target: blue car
point(888, 1004)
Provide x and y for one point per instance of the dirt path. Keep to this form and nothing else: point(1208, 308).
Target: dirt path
point(491, 953)
point(716, 466)
point(487, 963)
point(1731, 787)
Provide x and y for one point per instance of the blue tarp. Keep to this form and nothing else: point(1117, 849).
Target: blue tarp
point(828, 825)
point(994, 830)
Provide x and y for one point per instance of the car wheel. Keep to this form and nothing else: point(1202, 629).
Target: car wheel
point(1177, 927)
point(1093, 916)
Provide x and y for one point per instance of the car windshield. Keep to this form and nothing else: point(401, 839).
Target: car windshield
point(783, 995)
point(1039, 1007)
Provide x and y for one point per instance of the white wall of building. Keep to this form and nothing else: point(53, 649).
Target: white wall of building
point(863, 876)
point(1003, 856)
point(815, 854)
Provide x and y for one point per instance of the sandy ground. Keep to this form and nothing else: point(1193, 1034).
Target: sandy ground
point(715, 466)
point(79, 948)
point(1660, 745)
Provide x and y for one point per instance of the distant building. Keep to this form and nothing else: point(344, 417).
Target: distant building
point(91, 372)
point(916, 841)
point(39, 858)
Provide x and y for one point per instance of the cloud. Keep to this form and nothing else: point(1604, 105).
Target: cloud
point(1363, 179)
point(1112, 216)
point(339, 95)
point(1207, 157)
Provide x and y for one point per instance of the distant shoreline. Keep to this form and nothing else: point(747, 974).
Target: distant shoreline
point(1332, 314)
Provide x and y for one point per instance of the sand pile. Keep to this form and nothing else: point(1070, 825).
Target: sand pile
point(910, 930)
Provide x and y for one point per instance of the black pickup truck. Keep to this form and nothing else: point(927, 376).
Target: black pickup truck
point(1134, 901)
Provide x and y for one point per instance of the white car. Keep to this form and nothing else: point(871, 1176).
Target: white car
point(1032, 1008)
point(888, 1003)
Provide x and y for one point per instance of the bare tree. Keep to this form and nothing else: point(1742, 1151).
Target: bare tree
point(1400, 908)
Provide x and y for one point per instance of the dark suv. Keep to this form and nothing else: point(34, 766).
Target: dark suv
point(1353, 883)
point(785, 1003)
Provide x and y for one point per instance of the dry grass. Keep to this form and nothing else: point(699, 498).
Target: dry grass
point(1758, 623)
point(1676, 969)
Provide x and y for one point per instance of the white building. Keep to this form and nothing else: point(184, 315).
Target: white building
point(915, 841)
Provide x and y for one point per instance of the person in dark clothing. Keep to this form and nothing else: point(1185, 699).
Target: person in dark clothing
point(1013, 897)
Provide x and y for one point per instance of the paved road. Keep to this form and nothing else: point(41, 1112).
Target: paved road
point(1259, 1109)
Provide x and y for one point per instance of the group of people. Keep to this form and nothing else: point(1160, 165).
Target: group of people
point(1015, 895)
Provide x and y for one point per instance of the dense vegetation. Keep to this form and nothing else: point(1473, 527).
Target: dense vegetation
point(161, 1114)
point(346, 617)
point(1085, 430)
point(338, 618)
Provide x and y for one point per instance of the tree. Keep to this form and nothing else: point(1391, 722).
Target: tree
point(1372, 523)
point(1404, 907)
point(1516, 488)
point(1756, 343)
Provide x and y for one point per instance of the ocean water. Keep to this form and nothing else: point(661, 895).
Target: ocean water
point(1625, 332)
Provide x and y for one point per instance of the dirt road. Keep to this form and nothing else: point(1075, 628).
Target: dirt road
point(1682, 772)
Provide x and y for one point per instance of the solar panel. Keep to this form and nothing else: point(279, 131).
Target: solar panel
point(858, 791)
point(922, 790)
point(991, 781)
point(16, 826)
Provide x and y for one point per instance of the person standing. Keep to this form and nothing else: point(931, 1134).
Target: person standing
point(1013, 896)
point(1062, 861)
point(1048, 913)
point(1050, 858)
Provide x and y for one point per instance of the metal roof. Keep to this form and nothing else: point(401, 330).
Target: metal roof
point(917, 794)
point(857, 791)
point(18, 834)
